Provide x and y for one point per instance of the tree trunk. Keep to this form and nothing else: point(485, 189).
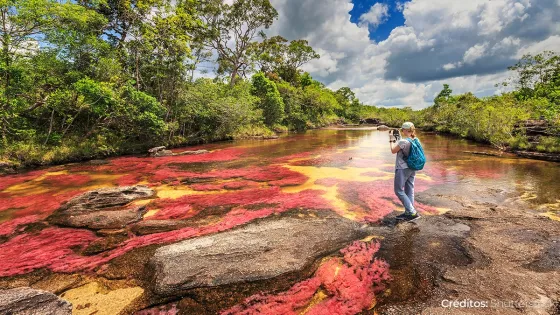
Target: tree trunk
point(232, 78)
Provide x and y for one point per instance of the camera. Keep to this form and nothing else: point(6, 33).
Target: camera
point(396, 135)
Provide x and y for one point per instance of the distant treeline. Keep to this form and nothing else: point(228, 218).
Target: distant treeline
point(536, 95)
point(92, 78)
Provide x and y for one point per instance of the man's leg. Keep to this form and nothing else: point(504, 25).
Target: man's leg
point(400, 180)
point(409, 187)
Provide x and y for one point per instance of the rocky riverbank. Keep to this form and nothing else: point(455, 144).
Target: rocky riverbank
point(480, 251)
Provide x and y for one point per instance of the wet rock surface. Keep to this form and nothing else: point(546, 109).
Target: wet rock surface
point(258, 251)
point(28, 301)
point(508, 257)
point(549, 259)
point(103, 208)
point(156, 226)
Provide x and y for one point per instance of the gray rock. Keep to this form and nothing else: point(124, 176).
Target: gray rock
point(103, 208)
point(197, 152)
point(156, 226)
point(258, 251)
point(28, 301)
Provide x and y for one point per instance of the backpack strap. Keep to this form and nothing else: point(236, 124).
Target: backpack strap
point(406, 155)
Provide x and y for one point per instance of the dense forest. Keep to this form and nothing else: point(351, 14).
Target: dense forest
point(92, 78)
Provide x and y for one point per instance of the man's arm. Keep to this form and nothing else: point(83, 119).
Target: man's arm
point(394, 146)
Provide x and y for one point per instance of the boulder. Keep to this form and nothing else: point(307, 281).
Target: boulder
point(159, 151)
point(156, 226)
point(103, 208)
point(383, 128)
point(196, 152)
point(370, 121)
point(554, 157)
point(28, 301)
point(259, 251)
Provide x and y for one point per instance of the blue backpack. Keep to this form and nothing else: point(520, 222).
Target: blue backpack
point(416, 158)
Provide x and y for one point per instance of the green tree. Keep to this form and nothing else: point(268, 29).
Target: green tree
point(270, 100)
point(276, 55)
point(231, 29)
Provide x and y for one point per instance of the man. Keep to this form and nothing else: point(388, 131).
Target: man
point(404, 176)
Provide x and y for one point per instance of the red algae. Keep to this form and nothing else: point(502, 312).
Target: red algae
point(51, 247)
point(52, 240)
point(284, 303)
point(129, 180)
point(351, 284)
point(176, 211)
point(307, 199)
point(327, 182)
point(67, 180)
point(240, 184)
point(207, 187)
point(291, 157)
point(160, 310)
point(9, 227)
point(11, 180)
point(36, 204)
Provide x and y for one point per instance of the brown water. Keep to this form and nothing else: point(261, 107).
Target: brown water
point(347, 171)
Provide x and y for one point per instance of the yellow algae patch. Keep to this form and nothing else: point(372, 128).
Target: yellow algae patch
point(442, 210)
point(550, 206)
point(319, 297)
point(331, 193)
point(141, 202)
point(342, 150)
point(371, 237)
point(150, 213)
point(172, 192)
point(38, 186)
point(528, 195)
point(552, 215)
point(93, 298)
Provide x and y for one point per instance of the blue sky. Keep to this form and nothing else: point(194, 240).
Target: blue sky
point(382, 32)
point(390, 57)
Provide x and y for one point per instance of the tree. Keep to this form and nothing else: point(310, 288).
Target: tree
point(276, 55)
point(443, 95)
point(24, 25)
point(271, 102)
point(231, 29)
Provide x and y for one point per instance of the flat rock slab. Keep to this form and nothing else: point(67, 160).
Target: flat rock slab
point(258, 251)
point(103, 208)
point(27, 301)
point(156, 226)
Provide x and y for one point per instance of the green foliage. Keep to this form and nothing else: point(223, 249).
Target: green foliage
point(271, 102)
point(231, 30)
point(275, 55)
point(214, 111)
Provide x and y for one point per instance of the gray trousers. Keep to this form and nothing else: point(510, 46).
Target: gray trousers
point(404, 188)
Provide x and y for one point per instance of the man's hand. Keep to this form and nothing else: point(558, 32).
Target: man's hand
point(391, 137)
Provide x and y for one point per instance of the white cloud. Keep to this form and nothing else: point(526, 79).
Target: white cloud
point(466, 43)
point(377, 14)
point(475, 52)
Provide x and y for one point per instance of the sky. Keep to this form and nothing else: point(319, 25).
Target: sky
point(400, 53)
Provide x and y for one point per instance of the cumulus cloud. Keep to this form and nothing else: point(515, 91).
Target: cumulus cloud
point(377, 14)
point(467, 44)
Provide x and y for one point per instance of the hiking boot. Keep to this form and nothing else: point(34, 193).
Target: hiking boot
point(410, 217)
point(402, 216)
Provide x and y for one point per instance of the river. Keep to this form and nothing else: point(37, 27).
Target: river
point(347, 172)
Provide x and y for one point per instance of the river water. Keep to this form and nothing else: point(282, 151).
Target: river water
point(349, 172)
